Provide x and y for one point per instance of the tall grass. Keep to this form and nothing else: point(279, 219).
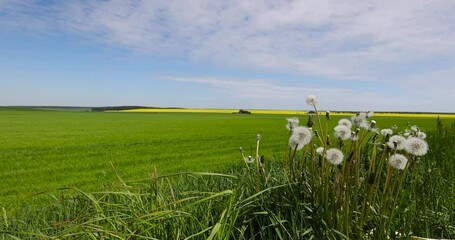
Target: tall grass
point(296, 195)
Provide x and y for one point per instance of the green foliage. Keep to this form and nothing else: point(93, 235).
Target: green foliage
point(261, 200)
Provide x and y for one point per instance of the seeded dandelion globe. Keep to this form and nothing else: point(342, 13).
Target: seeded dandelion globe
point(300, 137)
point(360, 121)
point(400, 142)
point(312, 100)
point(386, 131)
point(416, 146)
point(334, 156)
point(319, 150)
point(292, 123)
point(249, 159)
point(345, 122)
point(421, 135)
point(398, 161)
point(342, 132)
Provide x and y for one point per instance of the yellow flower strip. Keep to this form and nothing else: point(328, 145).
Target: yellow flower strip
point(285, 112)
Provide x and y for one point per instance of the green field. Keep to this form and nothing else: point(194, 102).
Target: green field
point(42, 149)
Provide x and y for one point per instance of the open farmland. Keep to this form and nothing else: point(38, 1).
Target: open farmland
point(42, 150)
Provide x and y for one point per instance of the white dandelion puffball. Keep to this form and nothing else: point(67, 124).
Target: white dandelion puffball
point(300, 137)
point(312, 100)
point(292, 123)
point(342, 132)
point(386, 131)
point(249, 159)
point(354, 136)
point(407, 133)
point(414, 128)
point(334, 156)
point(416, 146)
point(319, 150)
point(400, 140)
point(345, 122)
point(369, 114)
point(360, 121)
point(421, 135)
point(398, 161)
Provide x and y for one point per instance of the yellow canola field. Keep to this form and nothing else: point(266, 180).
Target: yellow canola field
point(194, 110)
point(421, 115)
point(284, 112)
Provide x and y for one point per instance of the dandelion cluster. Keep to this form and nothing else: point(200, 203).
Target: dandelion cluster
point(358, 140)
point(360, 121)
point(414, 131)
point(402, 145)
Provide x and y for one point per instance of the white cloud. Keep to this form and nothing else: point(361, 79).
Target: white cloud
point(332, 39)
point(261, 93)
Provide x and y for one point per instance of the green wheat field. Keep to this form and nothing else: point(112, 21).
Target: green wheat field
point(42, 151)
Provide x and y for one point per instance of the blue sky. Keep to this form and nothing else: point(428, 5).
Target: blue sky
point(354, 55)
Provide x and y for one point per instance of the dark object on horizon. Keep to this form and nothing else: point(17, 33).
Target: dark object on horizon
point(241, 111)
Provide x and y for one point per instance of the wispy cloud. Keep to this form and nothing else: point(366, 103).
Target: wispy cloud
point(270, 94)
point(330, 39)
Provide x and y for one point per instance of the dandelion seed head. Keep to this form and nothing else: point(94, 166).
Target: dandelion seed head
point(369, 114)
point(372, 123)
point(386, 131)
point(258, 137)
point(421, 135)
point(416, 146)
point(414, 128)
point(300, 137)
point(292, 123)
point(319, 150)
point(345, 122)
point(312, 100)
point(249, 159)
point(400, 142)
point(334, 156)
point(342, 132)
point(354, 136)
point(360, 121)
point(398, 161)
